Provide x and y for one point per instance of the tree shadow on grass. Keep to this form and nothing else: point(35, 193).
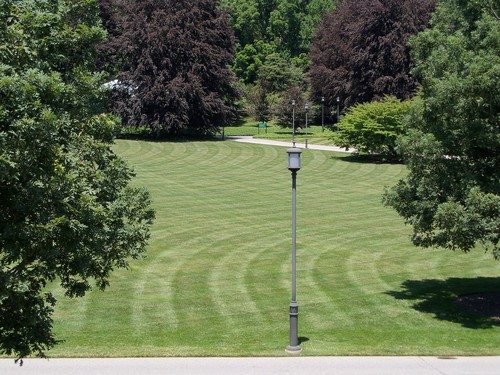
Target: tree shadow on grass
point(367, 159)
point(439, 297)
point(168, 138)
point(290, 133)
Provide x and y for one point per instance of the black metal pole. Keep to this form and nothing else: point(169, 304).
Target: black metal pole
point(294, 307)
point(338, 109)
point(307, 134)
point(322, 113)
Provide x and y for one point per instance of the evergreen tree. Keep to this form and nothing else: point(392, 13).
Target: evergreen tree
point(173, 58)
point(359, 51)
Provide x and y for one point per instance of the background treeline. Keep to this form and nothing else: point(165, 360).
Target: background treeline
point(192, 66)
point(189, 67)
point(272, 57)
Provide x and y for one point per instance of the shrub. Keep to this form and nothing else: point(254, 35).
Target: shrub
point(373, 127)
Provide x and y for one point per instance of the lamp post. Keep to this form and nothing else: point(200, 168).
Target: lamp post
point(294, 166)
point(322, 113)
point(307, 109)
point(338, 109)
point(293, 122)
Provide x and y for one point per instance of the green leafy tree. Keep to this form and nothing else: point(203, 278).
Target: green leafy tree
point(245, 19)
point(373, 127)
point(67, 212)
point(282, 26)
point(259, 106)
point(285, 25)
point(282, 109)
point(314, 13)
point(451, 194)
point(250, 58)
point(278, 74)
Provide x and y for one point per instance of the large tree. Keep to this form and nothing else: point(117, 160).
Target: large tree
point(173, 58)
point(67, 212)
point(359, 51)
point(451, 194)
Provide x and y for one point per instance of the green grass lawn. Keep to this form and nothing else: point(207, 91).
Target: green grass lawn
point(216, 280)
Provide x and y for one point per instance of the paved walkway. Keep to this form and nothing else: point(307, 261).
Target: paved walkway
point(259, 141)
point(257, 366)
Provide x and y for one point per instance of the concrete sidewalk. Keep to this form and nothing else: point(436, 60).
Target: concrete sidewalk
point(259, 141)
point(255, 366)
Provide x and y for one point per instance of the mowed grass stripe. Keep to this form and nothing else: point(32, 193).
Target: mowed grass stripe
point(153, 292)
point(216, 279)
point(230, 288)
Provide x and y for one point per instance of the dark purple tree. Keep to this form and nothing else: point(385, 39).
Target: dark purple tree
point(173, 58)
point(360, 53)
point(109, 13)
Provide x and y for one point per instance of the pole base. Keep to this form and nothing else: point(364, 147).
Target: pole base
point(293, 349)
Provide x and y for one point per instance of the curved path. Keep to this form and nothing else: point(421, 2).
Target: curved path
point(260, 141)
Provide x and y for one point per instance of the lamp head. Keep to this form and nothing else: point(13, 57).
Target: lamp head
point(293, 103)
point(294, 158)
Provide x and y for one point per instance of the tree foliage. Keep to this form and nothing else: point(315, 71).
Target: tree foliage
point(284, 111)
point(359, 51)
point(373, 127)
point(263, 27)
point(173, 58)
point(288, 24)
point(451, 194)
point(259, 106)
point(277, 74)
point(67, 213)
point(250, 59)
